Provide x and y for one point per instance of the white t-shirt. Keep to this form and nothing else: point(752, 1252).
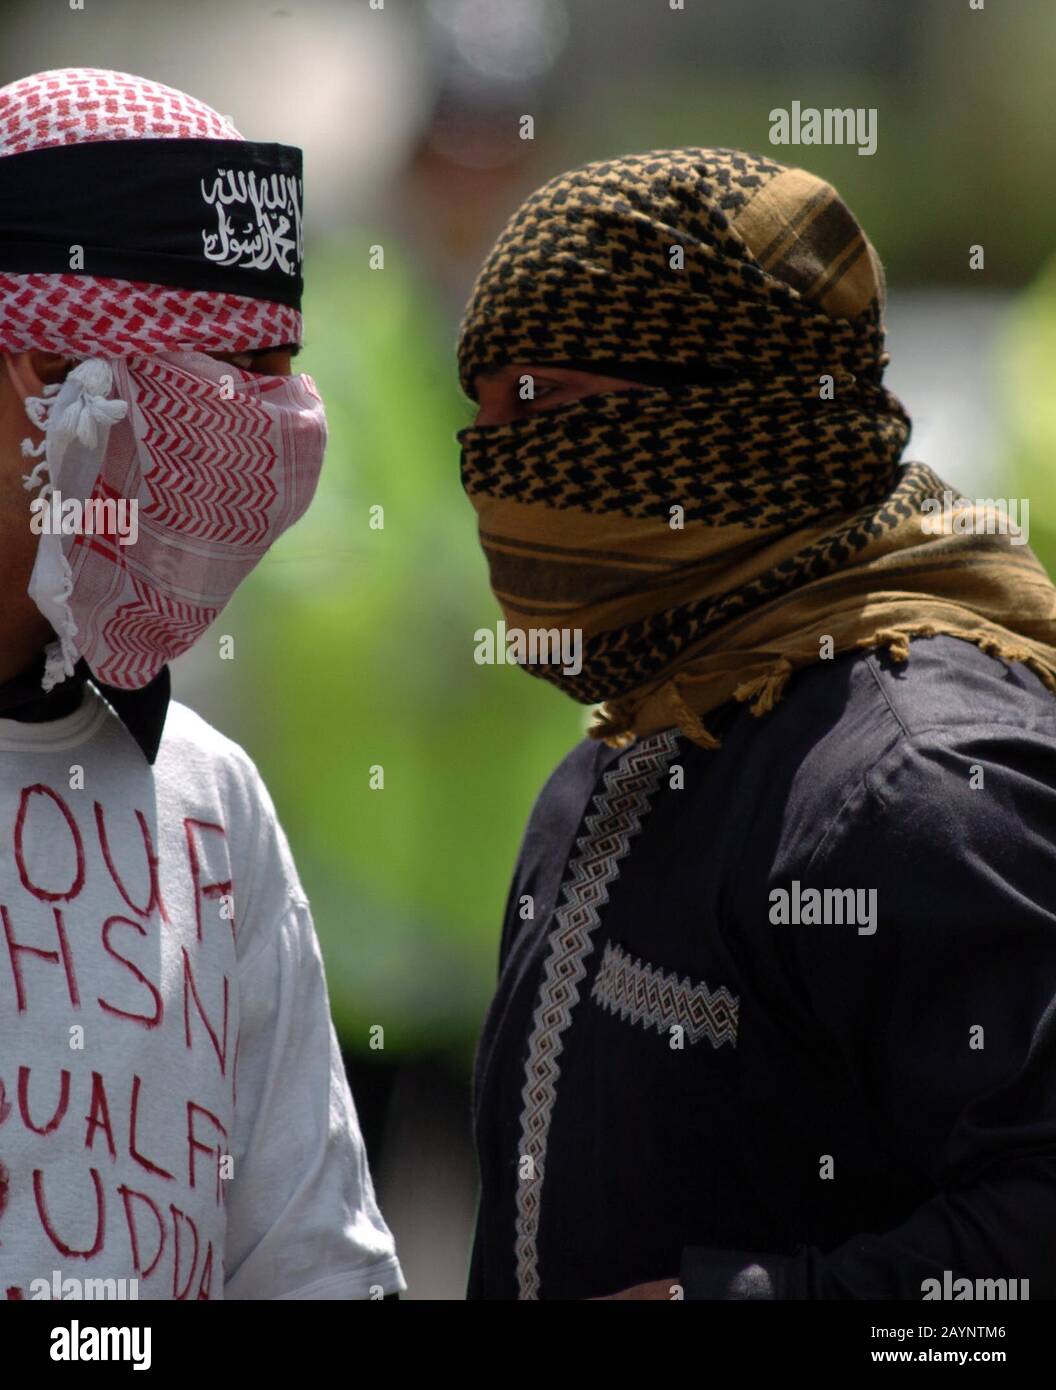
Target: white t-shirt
point(173, 1105)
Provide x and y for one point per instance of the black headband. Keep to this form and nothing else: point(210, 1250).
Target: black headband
point(197, 214)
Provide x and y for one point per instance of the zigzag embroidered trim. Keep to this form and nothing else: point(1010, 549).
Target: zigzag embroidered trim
point(614, 819)
point(641, 993)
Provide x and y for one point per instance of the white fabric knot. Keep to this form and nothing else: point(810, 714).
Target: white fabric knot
point(73, 409)
point(81, 404)
point(78, 408)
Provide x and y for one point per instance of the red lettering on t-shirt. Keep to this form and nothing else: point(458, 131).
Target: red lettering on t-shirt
point(202, 890)
point(195, 1143)
point(98, 1116)
point(15, 947)
point(127, 1193)
point(155, 900)
point(47, 894)
point(190, 990)
point(234, 1066)
point(133, 1148)
point(148, 1021)
point(205, 1284)
point(45, 1220)
point(178, 1216)
point(23, 1101)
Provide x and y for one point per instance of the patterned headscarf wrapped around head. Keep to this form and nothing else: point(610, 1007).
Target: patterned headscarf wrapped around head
point(85, 314)
point(706, 537)
point(192, 242)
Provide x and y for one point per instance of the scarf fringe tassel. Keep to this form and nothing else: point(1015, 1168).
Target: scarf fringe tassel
point(762, 692)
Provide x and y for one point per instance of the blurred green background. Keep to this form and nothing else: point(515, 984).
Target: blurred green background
point(353, 645)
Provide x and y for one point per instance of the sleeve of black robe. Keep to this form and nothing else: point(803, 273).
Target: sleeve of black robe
point(956, 830)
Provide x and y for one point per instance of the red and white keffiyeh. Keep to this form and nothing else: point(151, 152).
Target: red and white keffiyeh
point(100, 316)
point(215, 462)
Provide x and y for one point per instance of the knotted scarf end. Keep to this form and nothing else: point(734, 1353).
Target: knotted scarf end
point(766, 689)
point(78, 408)
point(664, 709)
point(897, 641)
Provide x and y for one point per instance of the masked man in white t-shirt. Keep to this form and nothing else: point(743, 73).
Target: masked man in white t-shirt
point(174, 1114)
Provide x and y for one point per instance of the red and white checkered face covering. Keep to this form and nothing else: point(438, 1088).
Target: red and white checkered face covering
point(218, 462)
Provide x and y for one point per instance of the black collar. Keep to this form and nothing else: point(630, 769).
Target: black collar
point(141, 711)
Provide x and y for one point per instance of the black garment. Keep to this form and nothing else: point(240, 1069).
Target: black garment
point(142, 711)
point(805, 1046)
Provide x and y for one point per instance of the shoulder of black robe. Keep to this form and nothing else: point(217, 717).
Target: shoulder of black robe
point(141, 711)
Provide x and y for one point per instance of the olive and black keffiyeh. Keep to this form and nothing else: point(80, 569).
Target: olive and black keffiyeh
point(750, 516)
